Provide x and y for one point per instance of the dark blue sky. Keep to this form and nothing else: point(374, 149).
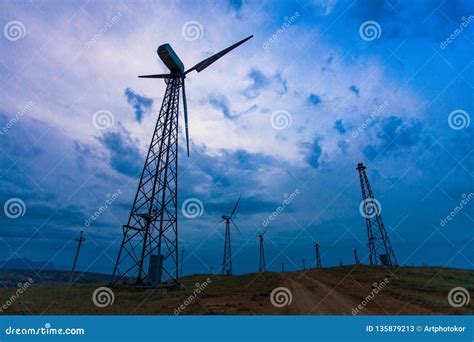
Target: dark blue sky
point(322, 86)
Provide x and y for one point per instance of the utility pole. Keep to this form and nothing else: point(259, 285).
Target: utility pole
point(262, 266)
point(182, 261)
point(380, 248)
point(304, 264)
point(356, 257)
point(282, 267)
point(318, 257)
point(80, 240)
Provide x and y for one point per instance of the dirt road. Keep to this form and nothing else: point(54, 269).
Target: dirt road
point(318, 293)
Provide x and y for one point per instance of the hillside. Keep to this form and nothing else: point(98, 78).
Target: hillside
point(12, 277)
point(330, 291)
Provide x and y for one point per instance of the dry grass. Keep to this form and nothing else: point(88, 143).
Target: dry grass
point(420, 290)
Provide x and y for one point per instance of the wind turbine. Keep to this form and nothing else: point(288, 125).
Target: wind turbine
point(227, 260)
point(318, 256)
point(262, 266)
point(151, 233)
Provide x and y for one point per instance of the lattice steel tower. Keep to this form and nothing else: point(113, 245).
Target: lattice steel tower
point(227, 259)
point(380, 249)
point(148, 255)
point(262, 267)
point(318, 256)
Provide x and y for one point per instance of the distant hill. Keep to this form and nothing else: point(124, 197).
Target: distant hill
point(12, 277)
point(26, 264)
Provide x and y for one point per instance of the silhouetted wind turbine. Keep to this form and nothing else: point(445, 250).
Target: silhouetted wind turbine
point(148, 255)
point(227, 260)
point(262, 265)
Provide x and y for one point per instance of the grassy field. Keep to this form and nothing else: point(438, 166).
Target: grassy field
point(336, 291)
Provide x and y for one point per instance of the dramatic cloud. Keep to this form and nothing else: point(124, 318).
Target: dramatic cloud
point(124, 154)
point(314, 99)
point(140, 104)
point(338, 126)
point(345, 99)
point(354, 89)
point(313, 152)
point(395, 137)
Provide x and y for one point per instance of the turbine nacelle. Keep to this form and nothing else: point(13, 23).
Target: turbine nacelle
point(225, 217)
point(171, 59)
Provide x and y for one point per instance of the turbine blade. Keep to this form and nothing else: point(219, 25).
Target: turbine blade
point(235, 225)
point(156, 76)
point(185, 107)
point(208, 61)
point(235, 208)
